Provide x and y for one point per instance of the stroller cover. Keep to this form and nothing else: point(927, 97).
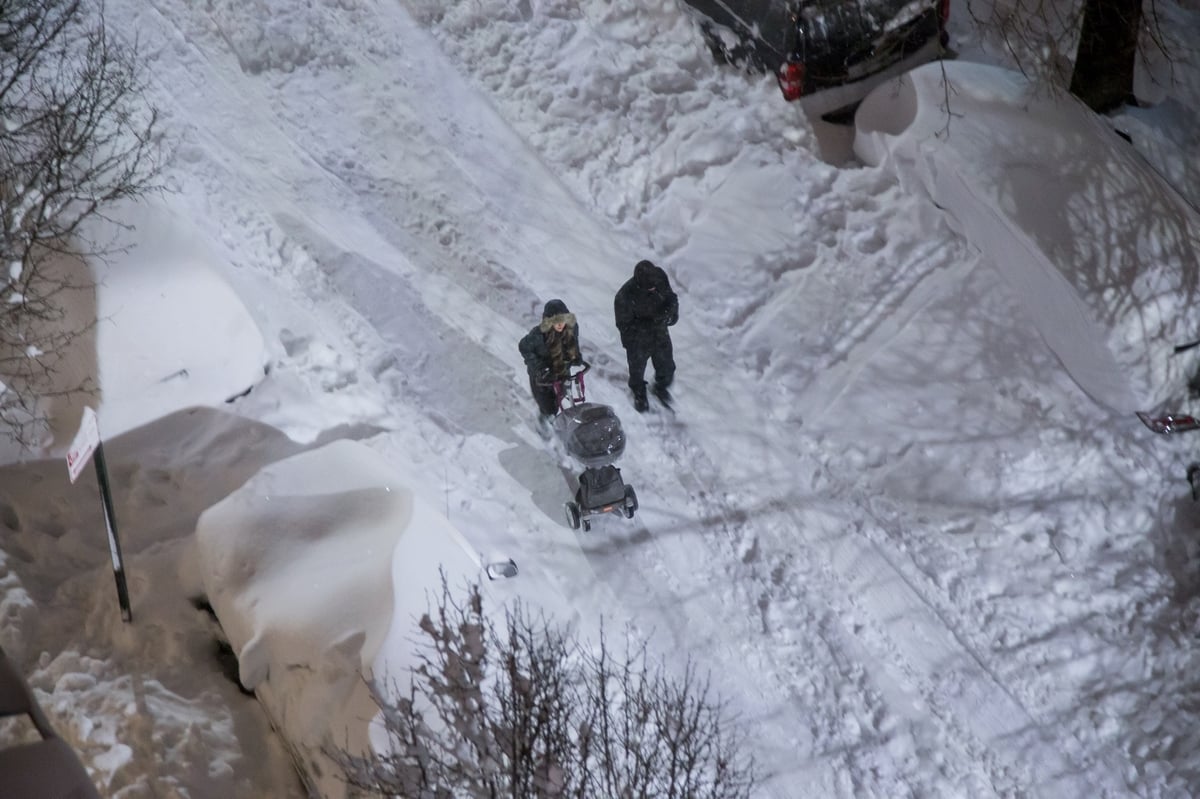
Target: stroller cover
point(591, 433)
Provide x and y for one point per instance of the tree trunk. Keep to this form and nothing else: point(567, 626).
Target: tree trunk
point(1103, 75)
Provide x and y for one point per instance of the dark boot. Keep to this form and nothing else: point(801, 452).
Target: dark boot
point(640, 403)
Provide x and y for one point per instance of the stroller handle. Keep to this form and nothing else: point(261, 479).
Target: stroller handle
point(573, 378)
point(569, 391)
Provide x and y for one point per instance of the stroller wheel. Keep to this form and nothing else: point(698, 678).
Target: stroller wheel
point(573, 515)
point(631, 503)
point(586, 525)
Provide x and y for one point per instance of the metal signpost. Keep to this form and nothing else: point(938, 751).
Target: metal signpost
point(86, 443)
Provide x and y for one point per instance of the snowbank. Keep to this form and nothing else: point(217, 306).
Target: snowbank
point(317, 569)
point(166, 331)
point(980, 142)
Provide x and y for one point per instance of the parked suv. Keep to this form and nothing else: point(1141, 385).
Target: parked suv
point(828, 53)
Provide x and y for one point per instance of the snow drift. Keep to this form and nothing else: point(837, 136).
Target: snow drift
point(168, 287)
point(317, 569)
point(979, 141)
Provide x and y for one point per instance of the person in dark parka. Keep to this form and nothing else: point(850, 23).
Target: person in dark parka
point(550, 349)
point(645, 307)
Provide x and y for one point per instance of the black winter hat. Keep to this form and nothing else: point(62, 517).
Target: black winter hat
point(648, 274)
point(554, 308)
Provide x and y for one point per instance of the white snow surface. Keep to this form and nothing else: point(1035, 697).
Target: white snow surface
point(904, 513)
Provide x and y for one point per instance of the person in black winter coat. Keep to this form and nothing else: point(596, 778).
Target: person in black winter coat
point(550, 349)
point(645, 307)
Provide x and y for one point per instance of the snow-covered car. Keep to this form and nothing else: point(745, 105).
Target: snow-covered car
point(1017, 173)
point(827, 53)
point(316, 568)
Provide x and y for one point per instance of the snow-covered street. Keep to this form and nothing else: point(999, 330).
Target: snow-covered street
point(903, 513)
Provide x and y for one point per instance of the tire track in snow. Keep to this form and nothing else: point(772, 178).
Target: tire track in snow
point(806, 667)
point(806, 583)
point(867, 594)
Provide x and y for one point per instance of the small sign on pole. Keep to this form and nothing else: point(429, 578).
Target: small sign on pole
point(85, 444)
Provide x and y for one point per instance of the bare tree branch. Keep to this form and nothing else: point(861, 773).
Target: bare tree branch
point(75, 138)
point(522, 711)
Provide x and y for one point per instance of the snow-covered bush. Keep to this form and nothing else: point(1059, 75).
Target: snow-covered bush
point(522, 710)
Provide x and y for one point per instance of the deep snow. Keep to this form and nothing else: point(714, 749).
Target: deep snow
point(904, 514)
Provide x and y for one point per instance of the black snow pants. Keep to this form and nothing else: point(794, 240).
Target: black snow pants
point(653, 345)
point(544, 396)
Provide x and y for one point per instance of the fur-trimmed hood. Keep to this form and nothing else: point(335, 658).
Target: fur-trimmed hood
point(556, 311)
point(548, 322)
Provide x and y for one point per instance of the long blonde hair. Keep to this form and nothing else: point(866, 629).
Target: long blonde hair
point(563, 347)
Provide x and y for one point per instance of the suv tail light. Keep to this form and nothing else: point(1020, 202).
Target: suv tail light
point(791, 80)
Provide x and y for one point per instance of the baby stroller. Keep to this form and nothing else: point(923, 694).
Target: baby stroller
point(592, 435)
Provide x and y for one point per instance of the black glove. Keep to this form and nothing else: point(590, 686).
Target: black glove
point(545, 375)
